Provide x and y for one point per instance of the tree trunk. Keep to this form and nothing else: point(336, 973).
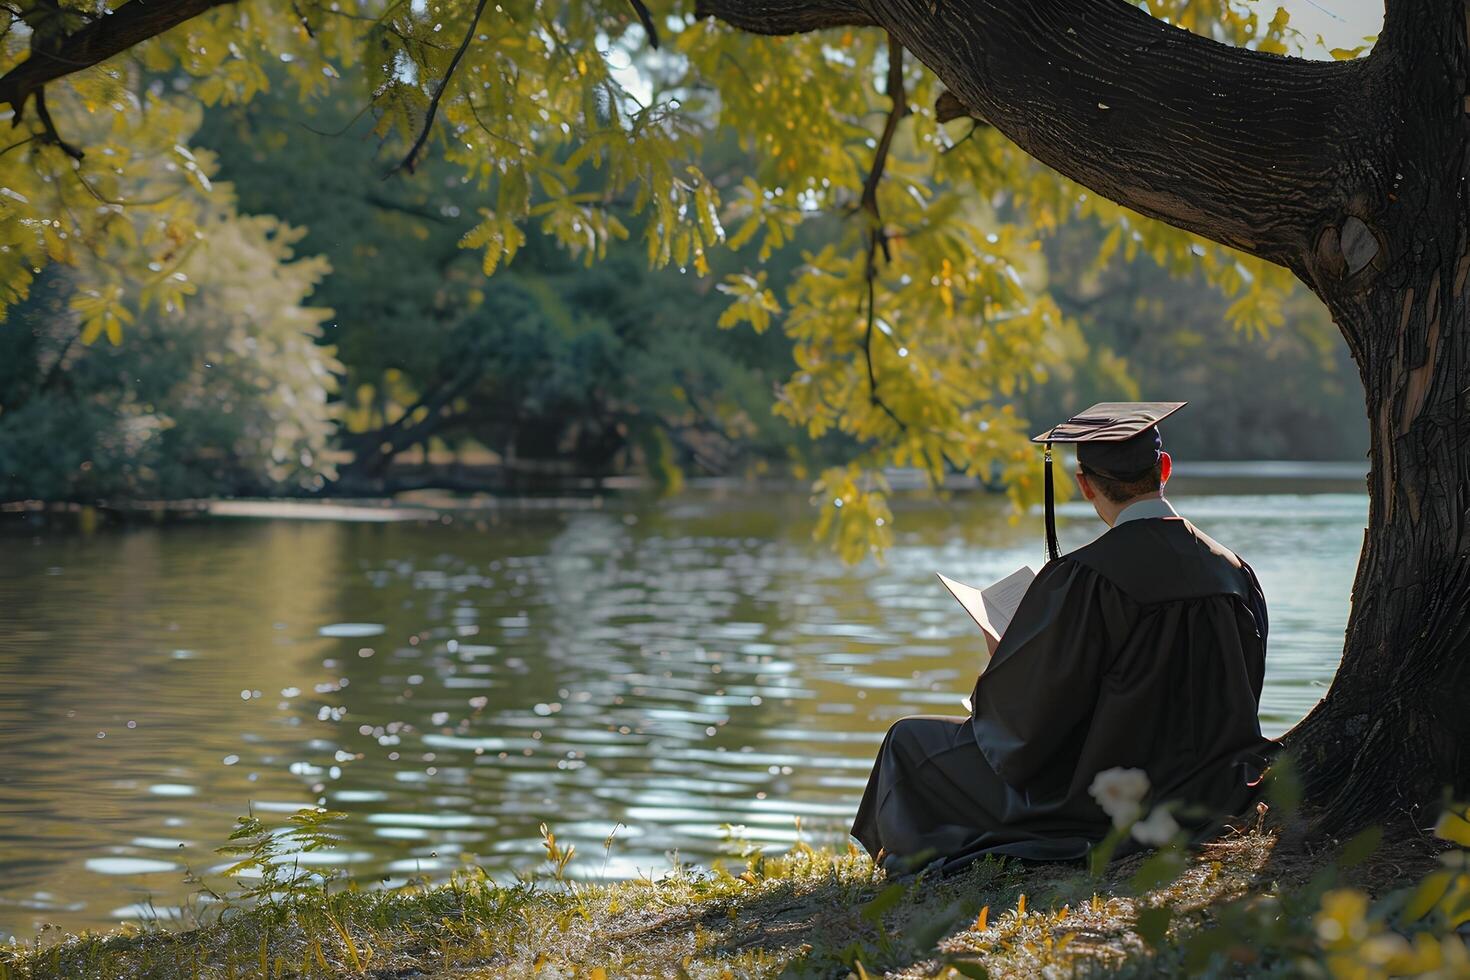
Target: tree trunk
point(1351, 174)
point(1394, 731)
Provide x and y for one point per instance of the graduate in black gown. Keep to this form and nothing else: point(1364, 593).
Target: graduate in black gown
point(1142, 650)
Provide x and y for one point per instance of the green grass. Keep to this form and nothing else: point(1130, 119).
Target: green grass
point(808, 912)
point(1260, 902)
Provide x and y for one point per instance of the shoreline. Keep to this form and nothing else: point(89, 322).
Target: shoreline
point(588, 493)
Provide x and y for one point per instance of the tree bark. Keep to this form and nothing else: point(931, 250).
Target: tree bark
point(1354, 176)
point(1394, 730)
point(130, 24)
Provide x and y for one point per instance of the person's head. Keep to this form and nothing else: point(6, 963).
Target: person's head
point(1112, 475)
point(1120, 458)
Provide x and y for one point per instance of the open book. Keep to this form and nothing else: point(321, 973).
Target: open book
point(992, 608)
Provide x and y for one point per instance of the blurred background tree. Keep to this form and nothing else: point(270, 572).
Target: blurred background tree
point(221, 384)
point(552, 365)
point(1287, 392)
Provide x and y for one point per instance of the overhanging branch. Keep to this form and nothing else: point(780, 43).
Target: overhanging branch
point(877, 236)
point(778, 17)
point(130, 24)
point(410, 159)
point(1239, 146)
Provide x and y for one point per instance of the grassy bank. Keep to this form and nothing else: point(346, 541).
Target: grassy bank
point(1245, 904)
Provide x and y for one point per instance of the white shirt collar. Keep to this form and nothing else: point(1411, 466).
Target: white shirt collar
point(1149, 507)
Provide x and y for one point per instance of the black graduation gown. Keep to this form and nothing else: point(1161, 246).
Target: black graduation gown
point(1144, 649)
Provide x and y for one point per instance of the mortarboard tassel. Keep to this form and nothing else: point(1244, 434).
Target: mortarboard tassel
point(1053, 551)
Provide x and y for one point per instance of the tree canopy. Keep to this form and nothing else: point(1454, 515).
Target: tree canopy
point(917, 315)
point(918, 134)
point(228, 387)
point(549, 364)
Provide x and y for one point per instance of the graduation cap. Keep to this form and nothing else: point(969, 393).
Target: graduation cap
point(1119, 440)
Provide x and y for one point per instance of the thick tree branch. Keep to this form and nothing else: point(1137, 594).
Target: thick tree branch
point(130, 24)
point(1239, 146)
point(780, 17)
point(948, 107)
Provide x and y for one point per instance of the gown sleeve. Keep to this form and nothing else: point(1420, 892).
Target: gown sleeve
point(1044, 678)
point(1257, 605)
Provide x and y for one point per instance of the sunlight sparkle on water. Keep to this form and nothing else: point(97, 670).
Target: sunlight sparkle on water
point(671, 667)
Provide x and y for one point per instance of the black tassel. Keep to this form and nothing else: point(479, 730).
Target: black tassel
point(1053, 550)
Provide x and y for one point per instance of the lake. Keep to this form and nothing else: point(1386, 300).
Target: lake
point(658, 669)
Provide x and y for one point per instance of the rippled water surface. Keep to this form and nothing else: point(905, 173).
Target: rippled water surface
point(662, 668)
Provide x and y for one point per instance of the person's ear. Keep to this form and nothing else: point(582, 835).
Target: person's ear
point(1085, 485)
point(1166, 466)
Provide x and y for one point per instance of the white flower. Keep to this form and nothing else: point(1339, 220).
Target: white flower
point(1158, 829)
point(1120, 793)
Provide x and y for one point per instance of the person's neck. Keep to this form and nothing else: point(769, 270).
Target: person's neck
point(1109, 511)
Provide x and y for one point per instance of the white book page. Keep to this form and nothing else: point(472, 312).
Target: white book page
point(991, 608)
point(1004, 597)
point(994, 607)
point(973, 601)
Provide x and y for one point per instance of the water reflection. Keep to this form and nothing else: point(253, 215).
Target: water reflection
point(664, 670)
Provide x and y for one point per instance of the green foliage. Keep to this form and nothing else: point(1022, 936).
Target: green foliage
point(886, 899)
point(557, 855)
point(916, 322)
point(1223, 912)
point(268, 867)
point(133, 219)
point(1288, 392)
point(226, 391)
point(1327, 928)
point(1153, 924)
point(1413, 932)
point(549, 359)
point(1160, 868)
point(1361, 847)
